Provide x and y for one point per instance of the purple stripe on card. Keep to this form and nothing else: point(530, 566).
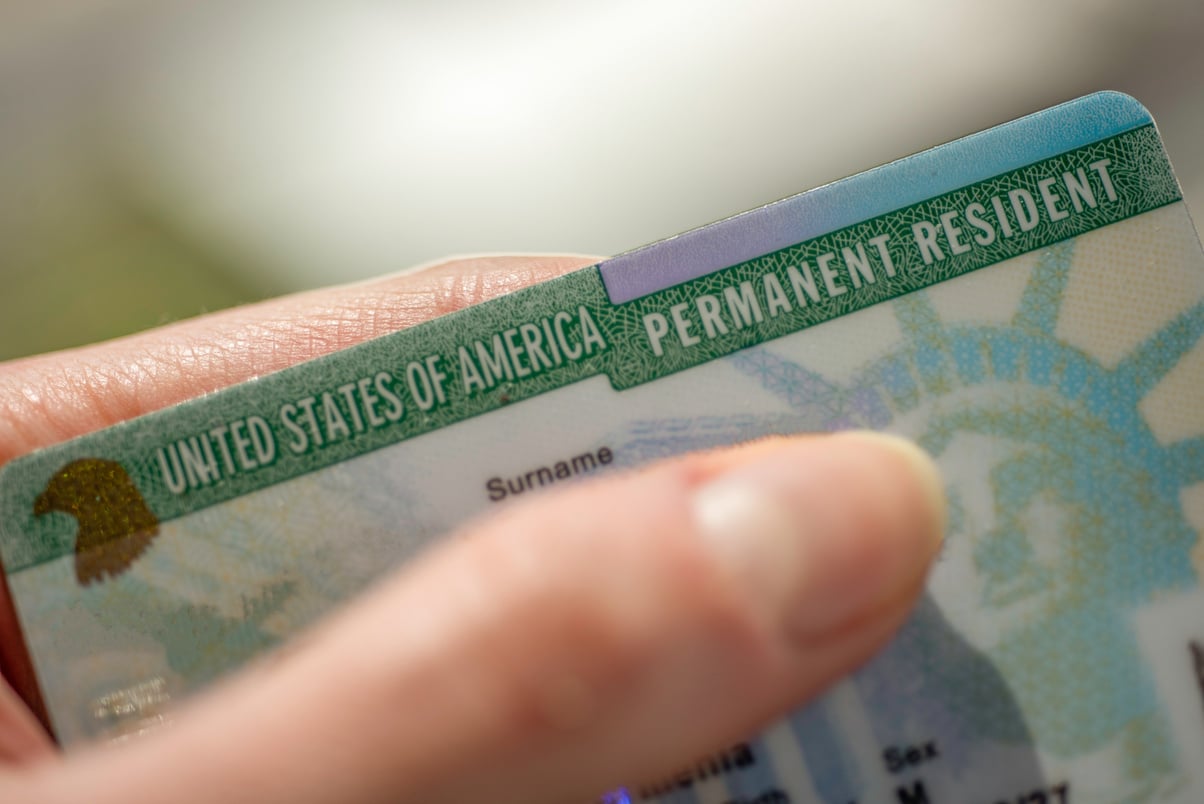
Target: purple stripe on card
point(876, 192)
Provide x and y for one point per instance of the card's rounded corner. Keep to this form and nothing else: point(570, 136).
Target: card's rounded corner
point(1119, 105)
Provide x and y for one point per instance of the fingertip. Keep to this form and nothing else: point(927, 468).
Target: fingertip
point(825, 530)
point(915, 466)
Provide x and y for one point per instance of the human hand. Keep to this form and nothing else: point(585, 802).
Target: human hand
point(610, 632)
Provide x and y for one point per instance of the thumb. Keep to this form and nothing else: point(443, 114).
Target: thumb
point(609, 633)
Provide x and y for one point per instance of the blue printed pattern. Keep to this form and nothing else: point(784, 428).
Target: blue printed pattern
point(1082, 524)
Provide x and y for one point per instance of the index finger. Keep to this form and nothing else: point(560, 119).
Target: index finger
point(50, 398)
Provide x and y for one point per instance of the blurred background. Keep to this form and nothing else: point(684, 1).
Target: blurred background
point(162, 159)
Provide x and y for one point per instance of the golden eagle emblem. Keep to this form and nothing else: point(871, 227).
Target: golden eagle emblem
point(115, 526)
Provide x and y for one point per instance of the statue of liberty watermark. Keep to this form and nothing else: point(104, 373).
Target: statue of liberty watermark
point(1066, 516)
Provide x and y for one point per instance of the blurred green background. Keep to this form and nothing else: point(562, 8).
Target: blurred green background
point(77, 276)
point(160, 160)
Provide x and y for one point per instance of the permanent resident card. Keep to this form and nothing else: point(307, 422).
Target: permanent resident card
point(1027, 303)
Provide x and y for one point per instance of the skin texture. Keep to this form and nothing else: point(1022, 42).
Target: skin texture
point(606, 633)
